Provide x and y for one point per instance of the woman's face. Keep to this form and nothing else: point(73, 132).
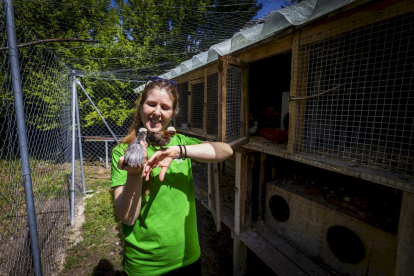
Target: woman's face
point(157, 110)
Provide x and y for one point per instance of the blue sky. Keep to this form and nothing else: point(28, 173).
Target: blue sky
point(268, 6)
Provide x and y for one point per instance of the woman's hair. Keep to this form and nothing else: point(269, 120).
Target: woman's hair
point(137, 121)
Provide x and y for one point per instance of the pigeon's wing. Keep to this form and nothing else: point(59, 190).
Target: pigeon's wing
point(135, 153)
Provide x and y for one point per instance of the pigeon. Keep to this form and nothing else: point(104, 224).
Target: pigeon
point(162, 138)
point(135, 153)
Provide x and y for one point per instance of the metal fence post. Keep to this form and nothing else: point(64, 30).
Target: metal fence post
point(21, 130)
point(106, 155)
point(80, 141)
point(72, 190)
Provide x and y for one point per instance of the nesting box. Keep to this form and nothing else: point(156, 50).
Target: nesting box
point(347, 245)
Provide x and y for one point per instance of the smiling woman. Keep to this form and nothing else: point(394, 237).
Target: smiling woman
point(155, 202)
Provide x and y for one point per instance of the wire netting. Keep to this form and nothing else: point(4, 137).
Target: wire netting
point(212, 104)
point(365, 120)
point(181, 121)
point(47, 106)
point(197, 105)
point(233, 104)
point(115, 101)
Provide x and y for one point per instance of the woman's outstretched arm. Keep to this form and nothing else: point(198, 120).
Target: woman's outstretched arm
point(207, 152)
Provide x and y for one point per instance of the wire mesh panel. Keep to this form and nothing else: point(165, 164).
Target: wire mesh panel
point(358, 104)
point(212, 104)
point(197, 105)
point(182, 117)
point(233, 104)
point(47, 106)
point(116, 101)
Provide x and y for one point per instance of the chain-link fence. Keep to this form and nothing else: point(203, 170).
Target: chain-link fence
point(46, 92)
point(112, 99)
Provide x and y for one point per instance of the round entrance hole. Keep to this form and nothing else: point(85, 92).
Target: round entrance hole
point(279, 208)
point(345, 244)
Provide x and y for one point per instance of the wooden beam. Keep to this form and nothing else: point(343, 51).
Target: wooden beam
point(404, 264)
point(238, 143)
point(205, 105)
point(190, 87)
point(223, 98)
point(217, 197)
point(210, 187)
point(298, 88)
point(240, 190)
point(268, 49)
point(262, 187)
point(239, 257)
point(236, 62)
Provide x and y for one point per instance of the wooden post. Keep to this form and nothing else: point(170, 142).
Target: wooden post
point(298, 89)
point(239, 257)
point(214, 194)
point(219, 98)
point(404, 264)
point(190, 87)
point(239, 248)
point(223, 101)
point(262, 187)
point(217, 197)
point(205, 104)
point(210, 186)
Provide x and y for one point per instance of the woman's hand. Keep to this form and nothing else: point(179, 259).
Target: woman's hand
point(132, 170)
point(161, 158)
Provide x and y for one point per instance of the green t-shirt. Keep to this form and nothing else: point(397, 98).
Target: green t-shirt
point(165, 236)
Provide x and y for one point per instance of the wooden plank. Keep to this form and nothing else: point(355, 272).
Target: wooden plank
point(226, 212)
point(277, 45)
point(279, 255)
point(217, 197)
point(197, 81)
point(240, 190)
point(220, 100)
point(235, 61)
point(196, 74)
point(356, 17)
point(239, 257)
point(262, 187)
point(209, 185)
point(239, 143)
point(212, 69)
point(190, 88)
point(223, 100)
point(298, 88)
point(181, 79)
point(404, 264)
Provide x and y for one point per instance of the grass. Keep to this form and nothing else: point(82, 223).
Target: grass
point(101, 247)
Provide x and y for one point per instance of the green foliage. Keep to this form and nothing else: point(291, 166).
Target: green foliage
point(136, 38)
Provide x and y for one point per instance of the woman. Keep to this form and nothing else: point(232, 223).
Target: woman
point(156, 202)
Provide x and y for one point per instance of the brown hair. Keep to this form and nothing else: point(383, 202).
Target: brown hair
point(137, 121)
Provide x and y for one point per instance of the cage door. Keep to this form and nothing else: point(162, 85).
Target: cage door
point(233, 113)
